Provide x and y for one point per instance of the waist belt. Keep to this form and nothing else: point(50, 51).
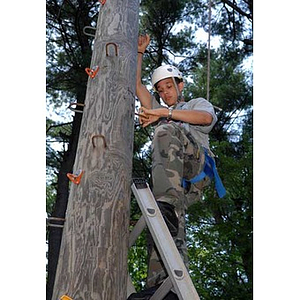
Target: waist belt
point(209, 170)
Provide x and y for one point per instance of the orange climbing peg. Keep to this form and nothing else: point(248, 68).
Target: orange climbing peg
point(102, 1)
point(65, 297)
point(92, 73)
point(75, 178)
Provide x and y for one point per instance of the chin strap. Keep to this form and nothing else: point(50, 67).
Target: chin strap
point(179, 96)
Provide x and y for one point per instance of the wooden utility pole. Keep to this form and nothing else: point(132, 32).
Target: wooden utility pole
point(93, 256)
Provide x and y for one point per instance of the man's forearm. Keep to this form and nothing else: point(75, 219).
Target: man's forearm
point(141, 91)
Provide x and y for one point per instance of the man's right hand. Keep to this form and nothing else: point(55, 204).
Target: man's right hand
point(143, 43)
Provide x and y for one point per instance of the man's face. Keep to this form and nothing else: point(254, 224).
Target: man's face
point(167, 90)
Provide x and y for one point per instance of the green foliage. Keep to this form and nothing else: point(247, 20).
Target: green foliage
point(68, 54)
point(137, 262)
point(233, 22)
point(158, 18)
point(220, 230)
point(50, 197)
point(141, 167)
point(68, 49)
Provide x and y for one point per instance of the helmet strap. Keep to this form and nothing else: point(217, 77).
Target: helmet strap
point(179, 95)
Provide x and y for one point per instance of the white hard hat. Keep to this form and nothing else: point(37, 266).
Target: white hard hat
point(164, 72)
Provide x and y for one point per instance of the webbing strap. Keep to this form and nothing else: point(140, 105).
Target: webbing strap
point(209, 170)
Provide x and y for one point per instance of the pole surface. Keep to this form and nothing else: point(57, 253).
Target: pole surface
point(93, 256)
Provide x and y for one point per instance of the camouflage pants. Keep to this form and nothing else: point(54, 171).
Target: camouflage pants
point(175, 155)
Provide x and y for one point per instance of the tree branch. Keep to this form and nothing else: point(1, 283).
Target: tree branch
point(240, 11)
point(57, 125)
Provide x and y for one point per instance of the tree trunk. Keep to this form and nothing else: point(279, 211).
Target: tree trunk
point(93, 257)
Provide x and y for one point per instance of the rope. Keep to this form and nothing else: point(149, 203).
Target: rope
point(208, 51)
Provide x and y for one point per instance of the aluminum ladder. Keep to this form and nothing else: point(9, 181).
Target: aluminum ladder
point(178, 277)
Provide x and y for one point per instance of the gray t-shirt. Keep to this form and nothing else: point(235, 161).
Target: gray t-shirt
point(199, 132)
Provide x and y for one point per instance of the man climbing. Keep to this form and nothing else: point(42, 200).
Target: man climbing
point(180, 151)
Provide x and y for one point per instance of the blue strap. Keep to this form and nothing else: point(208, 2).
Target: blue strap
point(209, 170)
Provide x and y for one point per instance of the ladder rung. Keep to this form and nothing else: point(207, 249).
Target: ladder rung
point(137, 230)
point(163, 290)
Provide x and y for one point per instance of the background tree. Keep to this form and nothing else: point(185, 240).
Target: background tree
point(220, 230)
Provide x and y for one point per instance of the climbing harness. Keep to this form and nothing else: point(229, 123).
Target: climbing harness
point(209, 170)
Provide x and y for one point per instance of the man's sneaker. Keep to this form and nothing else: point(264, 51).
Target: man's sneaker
point(144, 295)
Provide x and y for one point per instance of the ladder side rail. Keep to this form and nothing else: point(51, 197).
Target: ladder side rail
point(130, 287)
